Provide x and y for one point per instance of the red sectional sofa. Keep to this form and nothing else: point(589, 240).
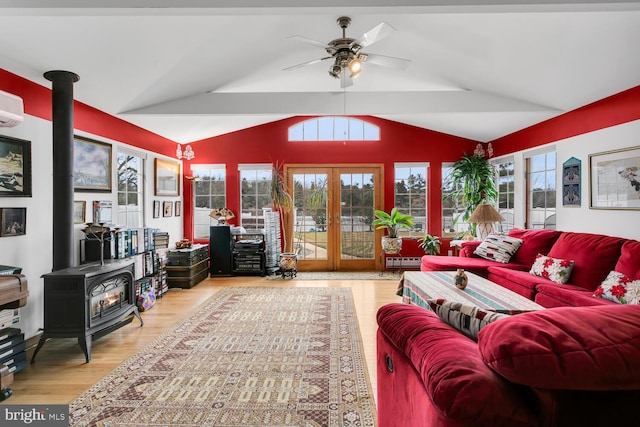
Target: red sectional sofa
point(543, 368)
point(594, 256)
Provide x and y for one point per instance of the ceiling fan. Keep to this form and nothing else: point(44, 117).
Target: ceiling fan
point(347, 53)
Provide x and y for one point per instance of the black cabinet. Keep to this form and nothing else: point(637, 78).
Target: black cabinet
point(249, 254)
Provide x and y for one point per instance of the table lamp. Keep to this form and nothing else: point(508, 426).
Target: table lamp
point(485, 215)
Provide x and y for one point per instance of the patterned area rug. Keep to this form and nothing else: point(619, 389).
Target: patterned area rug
point(246, 357)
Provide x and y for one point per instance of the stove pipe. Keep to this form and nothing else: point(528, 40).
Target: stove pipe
point(62, 113)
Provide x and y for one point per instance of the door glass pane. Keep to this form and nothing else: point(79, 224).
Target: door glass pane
point(356, 215)
point(310, 215)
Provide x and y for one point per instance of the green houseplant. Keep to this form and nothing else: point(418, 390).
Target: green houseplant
point(473, 183)
point(392, 222)
point(430, 244)
point(282, 201)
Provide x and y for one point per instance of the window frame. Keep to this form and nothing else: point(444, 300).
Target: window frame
point(422, 167)
point(125, 212)
point(201, 219)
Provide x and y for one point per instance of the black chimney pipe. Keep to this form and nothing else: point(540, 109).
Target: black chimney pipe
point(62, 113)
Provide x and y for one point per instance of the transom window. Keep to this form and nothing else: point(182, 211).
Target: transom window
point(334, 129)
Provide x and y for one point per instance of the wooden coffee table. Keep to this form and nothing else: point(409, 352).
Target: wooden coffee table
point(420, 286)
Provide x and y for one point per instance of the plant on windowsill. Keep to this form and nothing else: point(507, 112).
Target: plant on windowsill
point(430, 244)
point(392, 222)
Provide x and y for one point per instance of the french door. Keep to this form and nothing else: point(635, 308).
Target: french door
point(330, 222)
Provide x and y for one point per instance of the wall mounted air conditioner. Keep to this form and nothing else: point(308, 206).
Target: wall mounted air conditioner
point(11, 110)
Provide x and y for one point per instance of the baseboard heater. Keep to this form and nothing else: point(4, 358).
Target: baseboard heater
point(402, 262)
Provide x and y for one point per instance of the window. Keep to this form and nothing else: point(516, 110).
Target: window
point(130, 189)
point(255, 194)
point(452, 208)
point(541, 190)
point(334, 129)
point(410, 187)
point(209, 192)
point(506, 192)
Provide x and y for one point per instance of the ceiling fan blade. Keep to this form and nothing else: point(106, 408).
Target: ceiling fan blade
point(345, 81)
point(307, 40)
point(375, 34)
point(304, 64)
point(388, 61)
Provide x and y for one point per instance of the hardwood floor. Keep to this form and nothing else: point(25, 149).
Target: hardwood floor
point(60, 373)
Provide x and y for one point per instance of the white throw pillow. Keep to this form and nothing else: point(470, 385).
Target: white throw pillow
point(497, 247)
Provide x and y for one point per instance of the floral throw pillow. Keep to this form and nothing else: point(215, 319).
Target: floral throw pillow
point(619, 288)
point(554, 269)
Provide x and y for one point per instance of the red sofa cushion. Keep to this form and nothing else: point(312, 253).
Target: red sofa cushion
point(553, 295)
point(534, 242)
point(594, 256)
point(478, 266)
point(460, 385)
point(629, 261)
point(520, 282)
point(568, 348)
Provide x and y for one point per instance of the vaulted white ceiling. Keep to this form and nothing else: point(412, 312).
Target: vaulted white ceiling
point(193, 69)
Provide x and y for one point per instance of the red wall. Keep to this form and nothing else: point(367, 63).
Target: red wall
point(614, 110)
point(269, 144)
point(37, 102)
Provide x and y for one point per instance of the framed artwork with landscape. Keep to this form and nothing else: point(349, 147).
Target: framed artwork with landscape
point(167, 178)
point(91, 165)
point(614, 180)
point(15, 167)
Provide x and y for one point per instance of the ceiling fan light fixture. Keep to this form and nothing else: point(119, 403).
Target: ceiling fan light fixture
point(335, 71)
point(355, 67)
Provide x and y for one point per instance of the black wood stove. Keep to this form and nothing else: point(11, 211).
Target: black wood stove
point(88, 302)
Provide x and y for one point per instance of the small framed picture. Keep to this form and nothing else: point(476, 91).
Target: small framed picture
point(79, 211)
point(156, 208)
point(167, 209)
point(14, 221)
point(102, 211)
point(178, 208)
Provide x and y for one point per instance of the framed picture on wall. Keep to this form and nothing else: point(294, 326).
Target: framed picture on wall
point(13, 221)
point(614, 179)
point(156, 208)
point(178, 208)
point(167, 178)
point(79, 211)
point(571, 183)
point(15, 167)
point(102, 211)
point(91, 165)
point(167, 208)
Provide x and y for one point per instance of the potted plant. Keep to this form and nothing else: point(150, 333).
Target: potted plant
point(281, 200)
point(392, 222)
point(430, 244)
point(473, 183)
